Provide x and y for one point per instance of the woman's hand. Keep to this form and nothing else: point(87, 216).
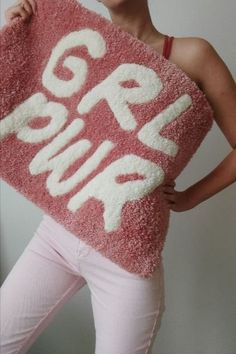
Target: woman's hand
point(177, 201)
point(25, 11)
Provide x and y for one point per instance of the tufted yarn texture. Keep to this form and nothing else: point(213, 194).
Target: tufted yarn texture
point(92, 122)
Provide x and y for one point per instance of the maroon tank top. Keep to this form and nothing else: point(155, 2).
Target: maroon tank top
point(167, 46)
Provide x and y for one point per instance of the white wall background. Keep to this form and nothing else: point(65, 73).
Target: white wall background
point(199, 254)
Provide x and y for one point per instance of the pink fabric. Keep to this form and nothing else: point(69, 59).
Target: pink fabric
point(93, 122)
point(127, 308)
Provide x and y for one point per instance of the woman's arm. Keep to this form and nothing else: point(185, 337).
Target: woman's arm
point(219, 86)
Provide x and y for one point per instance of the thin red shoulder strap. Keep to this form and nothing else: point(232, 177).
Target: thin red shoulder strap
point(167, 46)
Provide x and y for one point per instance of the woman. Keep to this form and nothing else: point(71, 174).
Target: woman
point(55, 265)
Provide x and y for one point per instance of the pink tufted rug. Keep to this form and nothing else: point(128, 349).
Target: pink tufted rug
point(93, 121)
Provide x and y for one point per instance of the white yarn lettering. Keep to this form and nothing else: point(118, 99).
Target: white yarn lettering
point(114, 195)
point(35, 106)
point(149, 134)
point(104, 186)
point(96, 47)
point(43, 160)
point(118, 96)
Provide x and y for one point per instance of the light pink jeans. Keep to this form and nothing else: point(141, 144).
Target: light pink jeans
point(127, 308)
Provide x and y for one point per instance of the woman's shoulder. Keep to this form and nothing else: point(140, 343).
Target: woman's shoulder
point(192, 42)
point(187, 49)
point(190, 53)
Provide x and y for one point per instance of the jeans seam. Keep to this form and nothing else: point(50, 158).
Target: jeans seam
point(152, 332)
point(160, 311)
point(46, 315)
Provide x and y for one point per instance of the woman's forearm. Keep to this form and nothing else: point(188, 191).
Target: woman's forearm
point(218, 179)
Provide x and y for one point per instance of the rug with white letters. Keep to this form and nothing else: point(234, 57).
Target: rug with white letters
point(93, 122)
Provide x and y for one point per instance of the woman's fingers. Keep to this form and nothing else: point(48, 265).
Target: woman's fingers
point(33, 5)
point(169, 184)
point(23, 11)
point(168, 190)
point(27, 7)
point(12, 12)
point(172, 183)
point(169, 195)
point(170, 198)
